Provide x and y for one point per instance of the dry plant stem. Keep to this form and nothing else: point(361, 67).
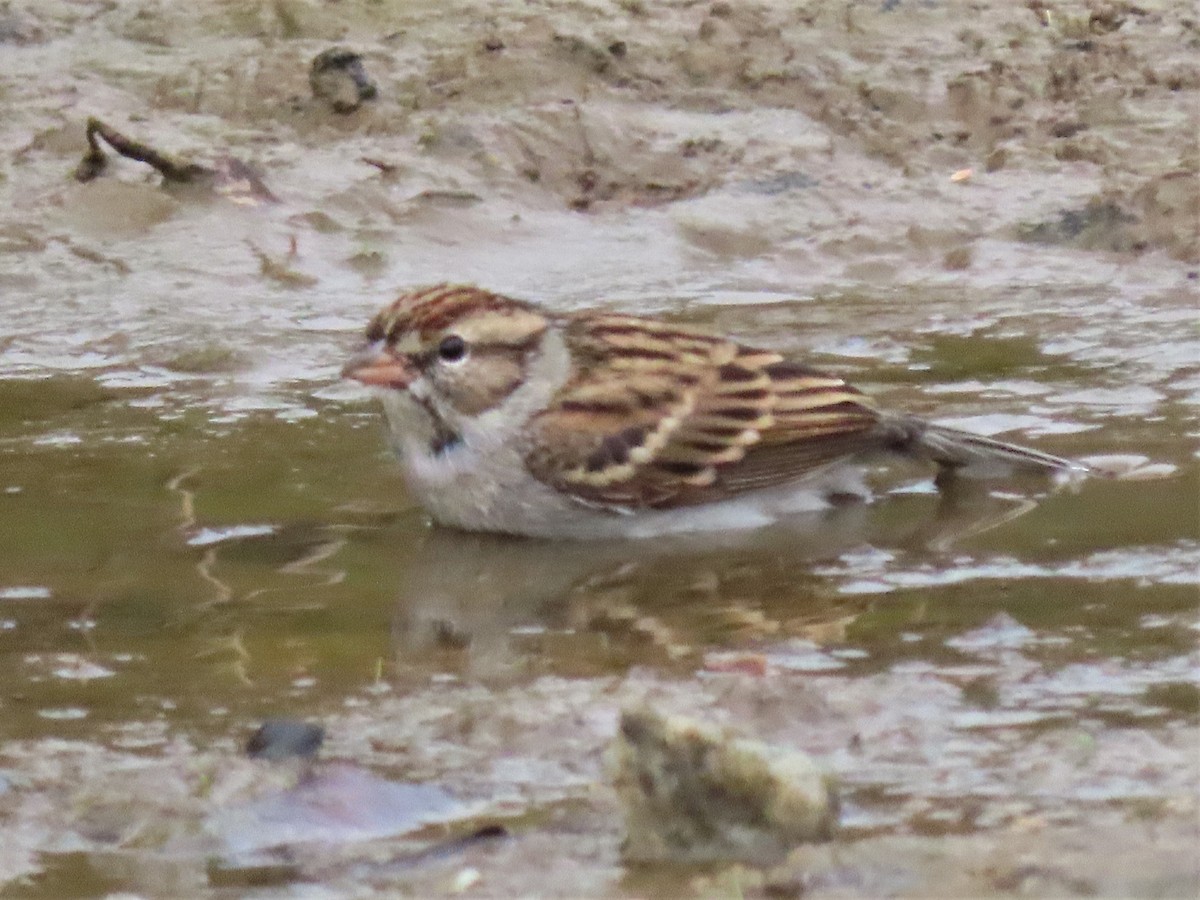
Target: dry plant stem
point(383, 166)
point(94, 161)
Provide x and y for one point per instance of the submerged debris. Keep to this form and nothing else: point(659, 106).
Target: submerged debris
point(282, 738)
point(334, 803)
point(337, 76)
point(693, 793)
point(280, 271)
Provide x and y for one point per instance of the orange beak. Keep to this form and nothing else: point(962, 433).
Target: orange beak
point(377, 366)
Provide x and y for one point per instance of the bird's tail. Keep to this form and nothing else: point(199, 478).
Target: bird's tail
point(974, 455)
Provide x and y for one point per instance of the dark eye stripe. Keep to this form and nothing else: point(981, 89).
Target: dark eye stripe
point(427, 358)
point(519, 345)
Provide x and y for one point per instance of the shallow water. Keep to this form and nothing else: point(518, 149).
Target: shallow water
point(205, 565)
point(191, 552)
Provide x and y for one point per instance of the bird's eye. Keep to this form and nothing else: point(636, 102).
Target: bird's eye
point(452, 349)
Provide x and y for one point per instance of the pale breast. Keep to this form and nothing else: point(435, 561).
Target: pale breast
point(485, 490)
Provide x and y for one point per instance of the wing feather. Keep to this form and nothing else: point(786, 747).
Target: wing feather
point(658, 416)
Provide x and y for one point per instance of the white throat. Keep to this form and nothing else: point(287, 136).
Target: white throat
point(472, 480)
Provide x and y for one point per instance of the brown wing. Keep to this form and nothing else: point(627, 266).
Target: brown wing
point(659, 416)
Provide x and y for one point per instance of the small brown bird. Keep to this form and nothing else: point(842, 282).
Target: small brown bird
point(510, 418)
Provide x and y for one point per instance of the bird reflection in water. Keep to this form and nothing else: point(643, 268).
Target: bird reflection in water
point(497, 608)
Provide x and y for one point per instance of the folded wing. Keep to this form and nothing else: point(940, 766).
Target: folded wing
point(659, 416)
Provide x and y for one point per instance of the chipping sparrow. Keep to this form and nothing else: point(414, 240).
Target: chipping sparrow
point(510, 418)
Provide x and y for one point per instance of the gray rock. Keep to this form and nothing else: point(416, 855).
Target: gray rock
point(693, 792)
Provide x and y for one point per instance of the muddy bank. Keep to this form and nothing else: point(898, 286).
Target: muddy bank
point(531, 760)
point(572, 154)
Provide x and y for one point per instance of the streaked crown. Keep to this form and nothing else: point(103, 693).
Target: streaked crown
point(468, 347)
point(482, 319)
